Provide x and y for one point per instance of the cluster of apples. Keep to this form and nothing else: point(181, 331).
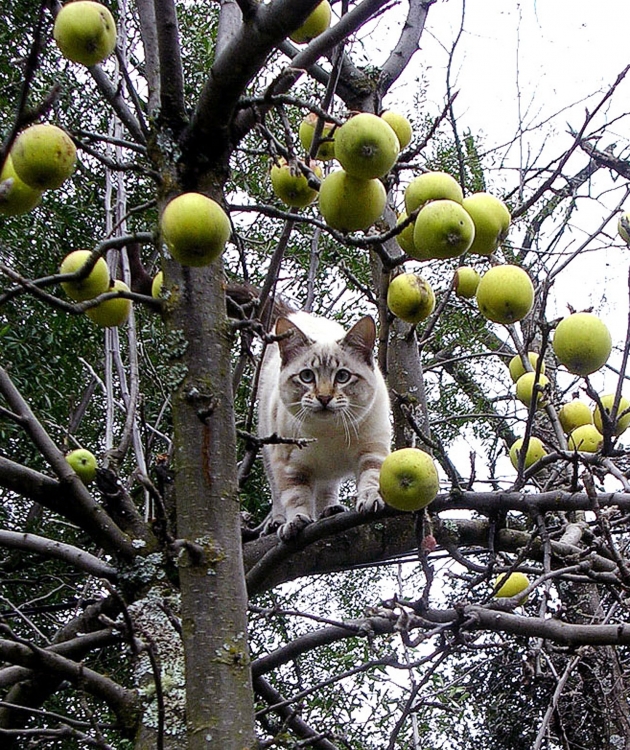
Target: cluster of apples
point(447, 223)
point(582, 343)
point(504, 293)
point(85, 284)
point(446, 226)
point(352, 197)
point(42, 157)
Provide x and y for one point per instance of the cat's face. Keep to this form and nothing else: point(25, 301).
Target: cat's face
point(328, 381)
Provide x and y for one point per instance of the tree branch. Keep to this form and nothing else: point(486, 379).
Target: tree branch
point(123, 702)
point(70, 554)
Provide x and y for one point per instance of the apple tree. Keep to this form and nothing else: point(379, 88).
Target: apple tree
point(141, 606)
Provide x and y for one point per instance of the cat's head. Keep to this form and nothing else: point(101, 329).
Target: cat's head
point(327, 379)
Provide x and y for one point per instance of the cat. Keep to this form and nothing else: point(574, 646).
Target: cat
point(321, 384)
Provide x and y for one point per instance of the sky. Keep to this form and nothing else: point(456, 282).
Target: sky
point(543, 63)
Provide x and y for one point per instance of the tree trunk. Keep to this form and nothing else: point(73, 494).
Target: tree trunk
point(219, 700)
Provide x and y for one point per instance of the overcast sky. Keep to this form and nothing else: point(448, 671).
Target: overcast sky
point(543, 63)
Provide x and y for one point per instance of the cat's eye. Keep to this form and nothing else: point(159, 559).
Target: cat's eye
point(307, 376)
point(342, 376)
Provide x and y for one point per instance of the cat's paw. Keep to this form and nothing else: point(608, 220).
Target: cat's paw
point(271, 525)
point(333, 510)
point(292, 528)
point(369, 501)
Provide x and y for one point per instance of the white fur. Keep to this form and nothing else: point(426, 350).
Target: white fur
point(305, 480)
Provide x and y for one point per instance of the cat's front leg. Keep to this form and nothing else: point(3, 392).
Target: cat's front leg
point(369, 498)
point(327, 499)
point(296, 499)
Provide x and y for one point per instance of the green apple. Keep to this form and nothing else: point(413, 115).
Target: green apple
point(306, 131)
point(622, 419)
point(43, 156)
point(586, 439)
point(535, 451)
point(111, 312)
point(85, 32)
point(410, 298)
point(510, 585)
point(195, 229)
point(366, 146)
point(505, 294)
point(431, 186)
point(95, 283)
point(156, 284)
point(315, 24)
point(400, 125)
point(290, 184)
point(517, 368)
point(405, 238)
point(525, 389)
point(16, 197)
point(349, 203)
point(443, 229)
point(466, 282)
point(623, 227)
point(84, 464)
point(582, 343)
point(492, 220)
point(408, 479)
point(574, 414)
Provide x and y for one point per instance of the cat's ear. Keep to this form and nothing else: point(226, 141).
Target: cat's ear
point(293, 340)
point(360, 338)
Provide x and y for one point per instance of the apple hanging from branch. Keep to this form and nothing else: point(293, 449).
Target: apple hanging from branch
point(85, 32)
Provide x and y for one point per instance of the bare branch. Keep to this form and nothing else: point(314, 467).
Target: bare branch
point(70, 554)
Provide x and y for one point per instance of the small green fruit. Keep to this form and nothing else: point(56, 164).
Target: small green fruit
point(84, 464)
point(517, 369)
point(366, 146)
point(349, 203)
point(431, 186)
point(535, 451)
point(408, 479)
point(443, 229)
point(306, 131)
point(574, 414)
point(512, 584)
point(111, 312)
point(505, 294)
point(85, 32)
point(623, 227)
point(96, 282)
point(586, 439)
point(405, 238)
point(525, 389)
point(492, 220)
point(16, 197)
point(622, 421)
point(43, 156)
point(156, 284)
point(410, 298)
point(195, 229)
point(582, 343)
point(400, 125)
point(466, 282)
point(291, 185)
point(316, 23)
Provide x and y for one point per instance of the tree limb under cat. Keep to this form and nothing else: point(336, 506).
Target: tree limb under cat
point(352, 540)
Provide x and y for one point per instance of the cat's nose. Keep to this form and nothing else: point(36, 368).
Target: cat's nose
point(324, 399)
